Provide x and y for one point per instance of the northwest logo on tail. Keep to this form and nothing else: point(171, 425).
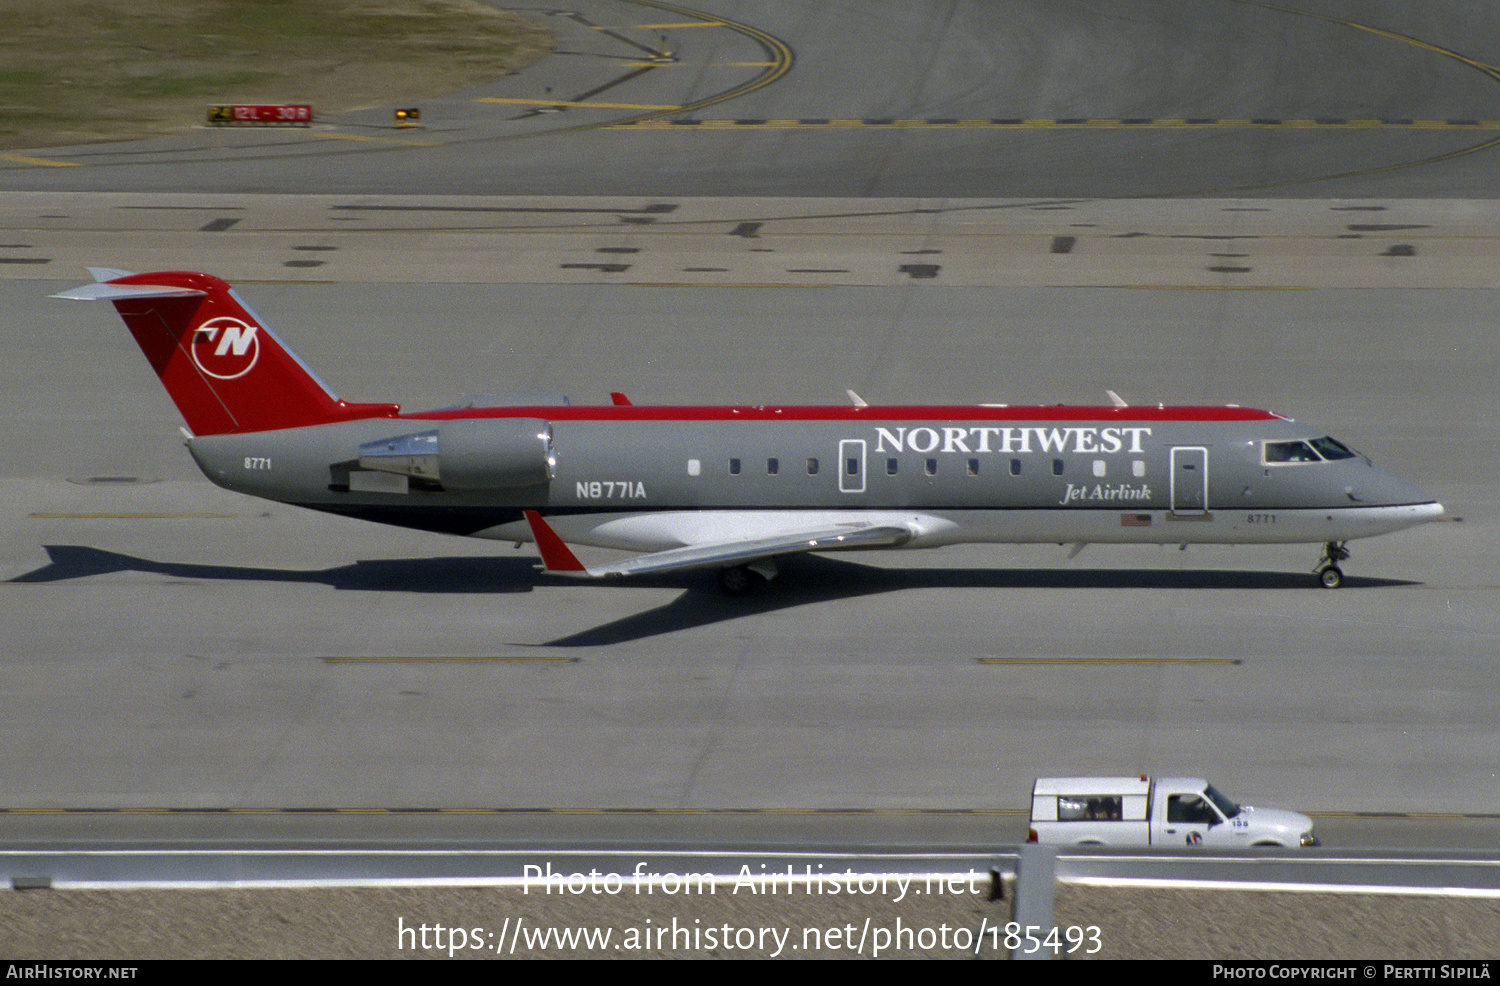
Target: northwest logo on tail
point(225, 348)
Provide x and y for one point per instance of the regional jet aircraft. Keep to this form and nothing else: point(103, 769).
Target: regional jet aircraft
point(735, 488)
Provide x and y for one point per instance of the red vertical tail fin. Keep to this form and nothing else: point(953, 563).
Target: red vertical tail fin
point(223, 367)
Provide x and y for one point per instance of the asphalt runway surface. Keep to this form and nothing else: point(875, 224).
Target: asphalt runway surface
point(174, 646)
point(1318, 98)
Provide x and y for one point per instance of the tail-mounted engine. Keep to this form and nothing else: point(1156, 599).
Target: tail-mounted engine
point(468, 454)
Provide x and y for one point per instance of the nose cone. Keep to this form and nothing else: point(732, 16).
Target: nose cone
point(1377, 488)
point(1390, 502)
point(1427, 511)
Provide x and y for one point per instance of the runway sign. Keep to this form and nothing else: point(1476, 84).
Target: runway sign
point(260, 116)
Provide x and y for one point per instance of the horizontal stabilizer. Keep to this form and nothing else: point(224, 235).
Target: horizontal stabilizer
point(112, 292)
point(559, 559)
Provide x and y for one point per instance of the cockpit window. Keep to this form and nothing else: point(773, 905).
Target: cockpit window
point(1290, 452)
point(1327, 448)
point(1332, 449)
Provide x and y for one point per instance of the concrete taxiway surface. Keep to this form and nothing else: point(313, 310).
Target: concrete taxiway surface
point(184, 646)
point(763, 242)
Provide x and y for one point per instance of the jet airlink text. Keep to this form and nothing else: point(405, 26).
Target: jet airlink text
point(1015, 441)
point(1101, 491)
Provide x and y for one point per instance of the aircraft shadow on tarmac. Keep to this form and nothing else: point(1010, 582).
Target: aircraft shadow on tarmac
point(427, 575)
point(804, 580)
point(808, 579)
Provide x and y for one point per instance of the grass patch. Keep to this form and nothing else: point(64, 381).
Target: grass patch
point(84, 70)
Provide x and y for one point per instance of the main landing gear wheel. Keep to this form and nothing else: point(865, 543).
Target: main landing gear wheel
point(1329, 573)
point(736, 580)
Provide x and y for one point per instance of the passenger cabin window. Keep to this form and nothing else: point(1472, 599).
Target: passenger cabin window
point(1057, 467)
point(931, 467)
point(1015, 467)
point(773, 466)
point(1089, 808)
point(734, 467)
point(973, 467)
point(812, 467)
point(891, 465)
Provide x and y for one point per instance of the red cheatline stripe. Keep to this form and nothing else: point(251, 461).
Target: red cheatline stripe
point(915, 413)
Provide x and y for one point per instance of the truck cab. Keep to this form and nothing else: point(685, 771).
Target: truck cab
point(1163, 811)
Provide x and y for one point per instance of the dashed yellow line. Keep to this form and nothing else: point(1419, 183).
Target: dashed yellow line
point(1214, 287)
point(451, 659)
point(692, 65)
point(1075, 661)
point(1059, 124)
point(38, 161)
point(567, 102)
point(661, 27)
point(379, 140)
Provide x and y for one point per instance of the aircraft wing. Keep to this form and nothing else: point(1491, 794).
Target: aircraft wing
point(559, 559)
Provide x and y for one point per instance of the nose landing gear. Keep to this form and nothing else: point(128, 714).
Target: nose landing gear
point(1328, 571)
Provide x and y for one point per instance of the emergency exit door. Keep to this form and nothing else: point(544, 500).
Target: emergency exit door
point(1190, 480)
point(852, 465)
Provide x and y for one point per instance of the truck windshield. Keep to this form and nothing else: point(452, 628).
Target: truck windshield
point(1227, 807)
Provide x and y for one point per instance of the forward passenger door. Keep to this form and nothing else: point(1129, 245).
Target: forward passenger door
point(1190, 480)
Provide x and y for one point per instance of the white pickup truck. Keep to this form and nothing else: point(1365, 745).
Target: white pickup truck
point(1165, 811)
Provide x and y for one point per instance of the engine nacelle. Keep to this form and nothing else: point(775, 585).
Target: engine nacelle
point(469, 454)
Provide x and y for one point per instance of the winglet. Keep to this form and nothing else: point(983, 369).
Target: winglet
point(619, 399)
point(556, 556)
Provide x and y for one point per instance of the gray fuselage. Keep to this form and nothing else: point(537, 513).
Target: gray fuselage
point(963, 474)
